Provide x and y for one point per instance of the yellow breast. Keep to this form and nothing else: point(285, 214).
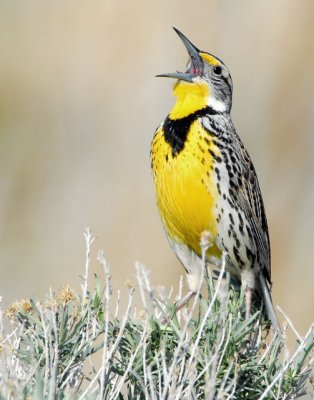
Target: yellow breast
point(185, 187)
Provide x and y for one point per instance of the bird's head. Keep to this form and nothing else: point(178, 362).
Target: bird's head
point(206, 82)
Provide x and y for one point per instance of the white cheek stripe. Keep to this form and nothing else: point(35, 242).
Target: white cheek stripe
point(216, 104)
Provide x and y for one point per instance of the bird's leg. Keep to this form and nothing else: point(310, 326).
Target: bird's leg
point(250, 342)
point(180, 304)
point(248, 302)
point(194, 279)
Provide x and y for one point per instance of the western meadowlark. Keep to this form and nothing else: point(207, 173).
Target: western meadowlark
point(205, 181)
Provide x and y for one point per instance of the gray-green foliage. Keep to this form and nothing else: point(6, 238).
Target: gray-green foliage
point(204, 351)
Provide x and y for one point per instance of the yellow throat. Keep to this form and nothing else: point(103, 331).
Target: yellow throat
point(191, 97)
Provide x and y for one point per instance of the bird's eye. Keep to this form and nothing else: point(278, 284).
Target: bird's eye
point(217, 70)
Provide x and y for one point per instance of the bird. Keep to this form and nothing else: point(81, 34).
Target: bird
point(205, 181)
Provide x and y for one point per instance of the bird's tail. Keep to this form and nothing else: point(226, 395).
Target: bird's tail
point(271, 314)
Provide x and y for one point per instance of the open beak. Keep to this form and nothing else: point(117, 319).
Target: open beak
point(196, 62)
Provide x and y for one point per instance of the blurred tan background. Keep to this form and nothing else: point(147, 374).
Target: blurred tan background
point(79, 104)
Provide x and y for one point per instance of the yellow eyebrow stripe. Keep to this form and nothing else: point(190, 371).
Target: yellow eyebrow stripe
point(210, 59)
